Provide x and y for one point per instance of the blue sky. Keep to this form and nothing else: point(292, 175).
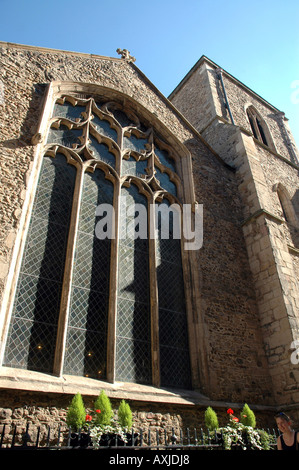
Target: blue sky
point(256, 41)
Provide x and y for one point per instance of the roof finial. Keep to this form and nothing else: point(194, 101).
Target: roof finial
point(125, 54)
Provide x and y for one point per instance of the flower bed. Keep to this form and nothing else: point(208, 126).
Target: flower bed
point(98, 427)
point(238, 435)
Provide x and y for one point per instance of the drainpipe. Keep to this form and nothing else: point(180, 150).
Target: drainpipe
point(219, 76)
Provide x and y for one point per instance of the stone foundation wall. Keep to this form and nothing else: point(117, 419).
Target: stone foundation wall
point(44, 411)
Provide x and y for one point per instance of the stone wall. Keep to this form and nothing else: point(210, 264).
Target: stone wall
point(233, 339)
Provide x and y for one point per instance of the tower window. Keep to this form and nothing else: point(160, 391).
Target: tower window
point(258, 126)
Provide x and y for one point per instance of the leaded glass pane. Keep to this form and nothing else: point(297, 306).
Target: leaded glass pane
point(122, 118)
point(87, 329)
point(165, 182)
point(133, 361)
point(173, 363)
point(101, 152)
point(133, 347)
point(165, 159)
point(104, 128)
point(31, 339)
point(133, 167)
point(134, 143)
point(64, 136)
point(173, 334)
point(68, 111)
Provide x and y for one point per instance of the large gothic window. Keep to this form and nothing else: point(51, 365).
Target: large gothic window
point(109, 303)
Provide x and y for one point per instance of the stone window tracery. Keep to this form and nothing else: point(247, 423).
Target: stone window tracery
point(103, 308)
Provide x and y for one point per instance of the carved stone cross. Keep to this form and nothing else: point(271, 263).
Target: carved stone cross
point(125, 54)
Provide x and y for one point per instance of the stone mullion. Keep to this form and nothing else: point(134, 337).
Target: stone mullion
point(68, 274)
point(112, 311)
point(154, 300)
point(153, 282)
point(257, 129)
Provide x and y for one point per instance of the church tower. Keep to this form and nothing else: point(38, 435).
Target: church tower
point(253, 137)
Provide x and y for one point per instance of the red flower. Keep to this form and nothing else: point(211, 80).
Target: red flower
point(235, 419)
point(88, 418)
point(98, 411)
point(230, 411)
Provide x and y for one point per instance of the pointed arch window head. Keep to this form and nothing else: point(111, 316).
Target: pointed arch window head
point(259, 127)
point(106, 132)
point(112, 318)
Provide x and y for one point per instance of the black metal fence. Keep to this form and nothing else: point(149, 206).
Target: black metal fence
point(35, 438)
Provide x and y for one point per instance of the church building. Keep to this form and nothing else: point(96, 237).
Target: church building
point(149, 246)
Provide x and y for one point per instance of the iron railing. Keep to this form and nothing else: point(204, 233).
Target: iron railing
point(35, 438)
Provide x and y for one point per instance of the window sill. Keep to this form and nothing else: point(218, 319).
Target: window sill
point(31, 381)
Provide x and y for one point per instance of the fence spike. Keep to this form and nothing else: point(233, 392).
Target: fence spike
point(188, 437)
point(48, 436)
point(37, 437)
point(2, 435)
point(69, 437)
point(58, 437)
point(195, 437)
point(26, 436)
point(202, 436)
point(14, 436)
point(173, 437)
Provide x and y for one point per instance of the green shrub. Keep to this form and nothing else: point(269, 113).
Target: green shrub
point(265, 439)
point(125, 415)
point(75, 417)
point(211, 420)
point(103, 404)
point(248, 416)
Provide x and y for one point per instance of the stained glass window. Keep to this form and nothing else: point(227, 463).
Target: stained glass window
point(96, 150)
